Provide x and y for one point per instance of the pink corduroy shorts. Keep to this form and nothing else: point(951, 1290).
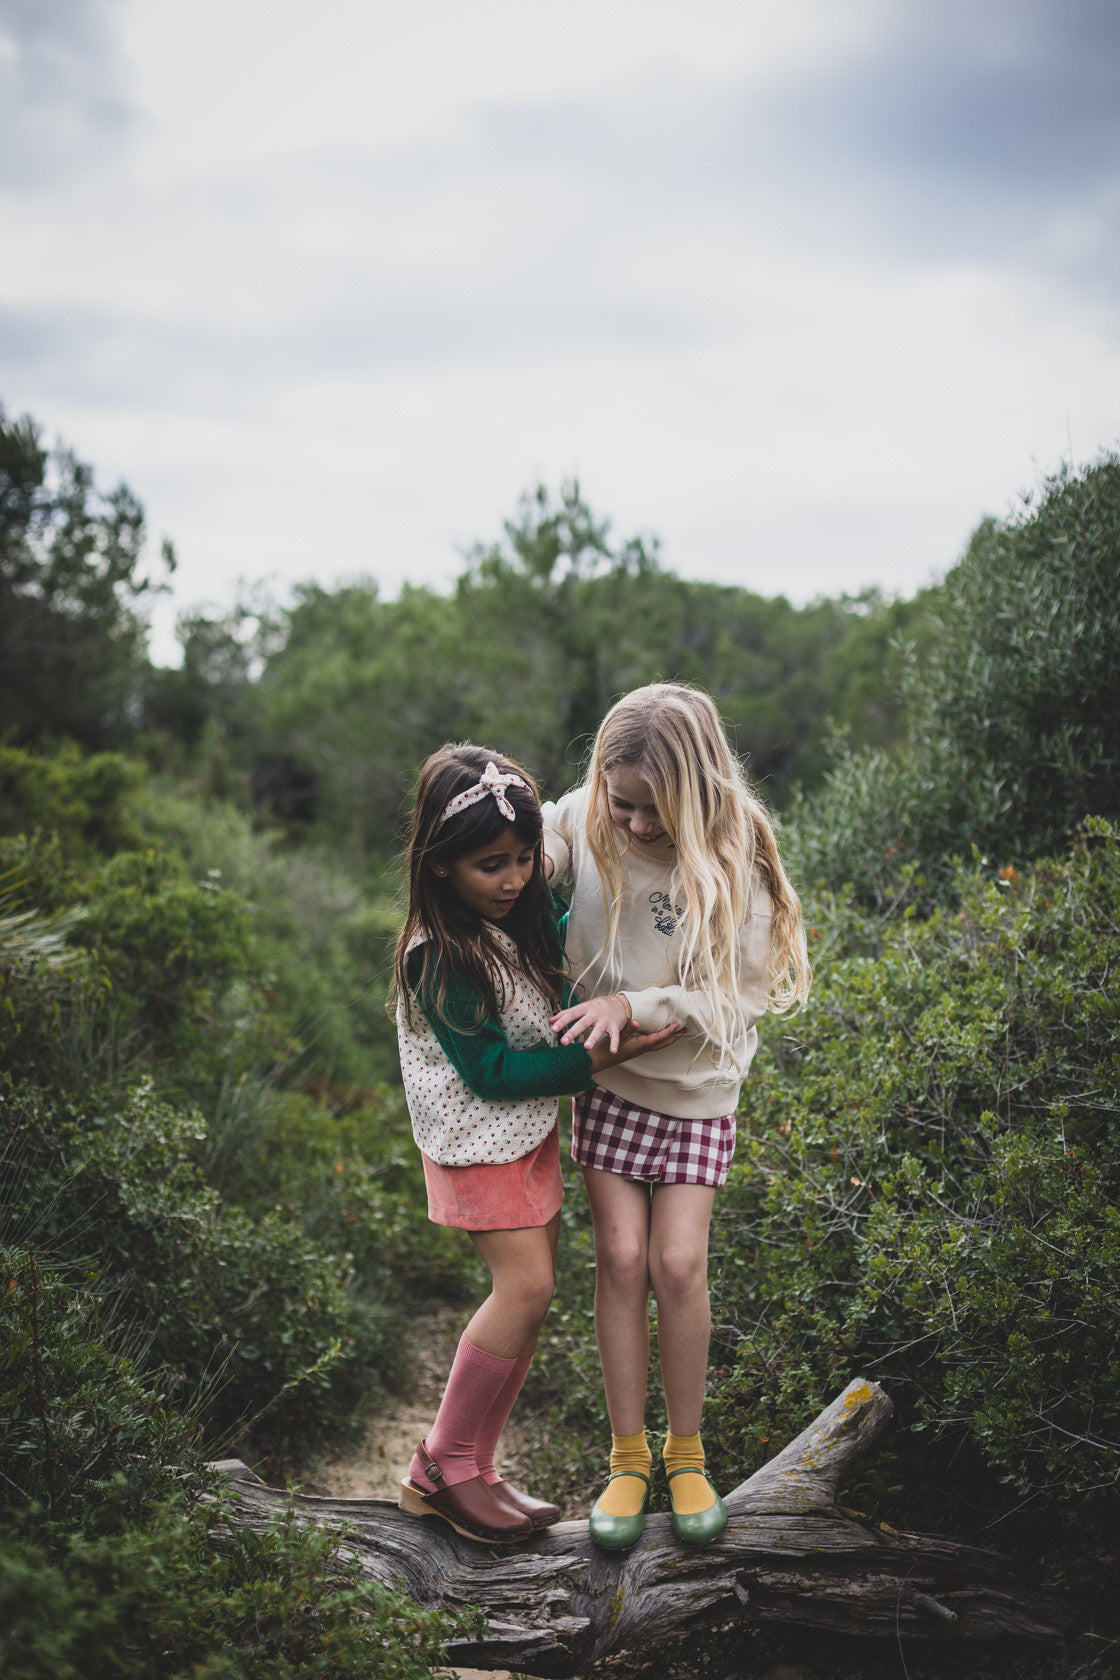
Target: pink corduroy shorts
point(499, 1195)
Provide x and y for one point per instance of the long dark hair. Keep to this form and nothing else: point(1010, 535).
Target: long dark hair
point(454, 942)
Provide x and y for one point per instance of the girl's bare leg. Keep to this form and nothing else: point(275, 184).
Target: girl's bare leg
point(522, 1269)
point(678, 1267)
point(620, 1211)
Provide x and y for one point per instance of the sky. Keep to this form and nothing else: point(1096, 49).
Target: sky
point(801, 288)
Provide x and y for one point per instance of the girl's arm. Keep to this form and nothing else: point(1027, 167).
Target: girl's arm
point(559, 832)
point(602, 1018)
point(485, 1061)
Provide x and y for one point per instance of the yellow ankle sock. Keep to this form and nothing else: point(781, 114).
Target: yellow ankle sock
point(689, 1494)
point(623, 1497)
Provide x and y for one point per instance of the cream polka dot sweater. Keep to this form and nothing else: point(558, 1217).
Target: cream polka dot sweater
point(485, 1093)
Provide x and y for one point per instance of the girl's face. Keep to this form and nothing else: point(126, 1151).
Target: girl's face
point(631, 805)
point(490, 879)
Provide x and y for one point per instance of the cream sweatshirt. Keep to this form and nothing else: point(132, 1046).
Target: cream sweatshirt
point(685, 1078)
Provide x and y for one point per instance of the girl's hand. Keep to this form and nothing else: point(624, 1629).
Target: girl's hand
point(595, 1018)
point(633, 1042)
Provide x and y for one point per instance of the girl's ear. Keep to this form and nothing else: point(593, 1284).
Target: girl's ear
point(438, 869)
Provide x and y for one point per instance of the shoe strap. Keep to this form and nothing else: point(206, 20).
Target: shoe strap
point(431, 1468)
point(685, 1470)
point(614, 1475)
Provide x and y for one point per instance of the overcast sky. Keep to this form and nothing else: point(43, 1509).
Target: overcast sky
point(801, 287)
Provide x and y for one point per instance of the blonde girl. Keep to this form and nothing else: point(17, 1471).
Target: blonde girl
point(479, 971)
point(681, 910)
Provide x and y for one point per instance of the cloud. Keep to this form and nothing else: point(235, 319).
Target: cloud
point(1017, 95)
point(63, 99)
point(805, 316)
point(669, 209)
point(970, 131)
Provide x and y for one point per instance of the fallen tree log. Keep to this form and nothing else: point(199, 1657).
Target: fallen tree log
point(556, 1603)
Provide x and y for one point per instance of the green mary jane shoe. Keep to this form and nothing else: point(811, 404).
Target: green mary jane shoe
point(698, 1527)
point(616, 1533)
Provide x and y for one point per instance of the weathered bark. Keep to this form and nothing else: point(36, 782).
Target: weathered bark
point(556, 1603)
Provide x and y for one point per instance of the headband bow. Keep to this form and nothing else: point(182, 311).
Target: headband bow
point(491, 781)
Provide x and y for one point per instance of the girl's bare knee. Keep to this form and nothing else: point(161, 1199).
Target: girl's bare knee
point(541, 1298)
point(623, 1266)
point(679, 1276)
point(535, 1293)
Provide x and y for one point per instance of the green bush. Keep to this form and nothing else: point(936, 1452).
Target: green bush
point(926, 1191)
point(226, 952)
point(355, 1179)
point(215, 1289)
point(155, 1598)
point(322, 936)
point(1014, 712)
point(85, 799)
point(116, 1561)
point(76, 1420)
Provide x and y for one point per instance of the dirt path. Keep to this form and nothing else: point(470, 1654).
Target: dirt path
point(372, 1467)
point(375, 1466)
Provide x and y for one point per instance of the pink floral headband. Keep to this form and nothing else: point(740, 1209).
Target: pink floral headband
point(490, 782)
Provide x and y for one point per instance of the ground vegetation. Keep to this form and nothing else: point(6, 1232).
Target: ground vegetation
point(212, 1222)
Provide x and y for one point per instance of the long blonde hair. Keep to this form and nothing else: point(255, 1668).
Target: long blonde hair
point(672, 737)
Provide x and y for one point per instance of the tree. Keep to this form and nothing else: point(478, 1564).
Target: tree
point(1014, 716)
point(555, 1603)
point(71, 584)
point(546, 627)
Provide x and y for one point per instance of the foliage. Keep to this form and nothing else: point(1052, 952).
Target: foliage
point(322, 939)
point(85, 799)
point(71, 585)
point(355, 1179)
point(224, 951)
point(112, 1565)
point(543, 630)
point(157, 1599)
point(214, 1288)
point(163, 1055)
point(74, 1413)
point(27, 937)
point(1014, 712)
point(927, 1191)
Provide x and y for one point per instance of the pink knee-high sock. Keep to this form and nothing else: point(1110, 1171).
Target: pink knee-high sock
point(486, 1441)
point(474, 1383)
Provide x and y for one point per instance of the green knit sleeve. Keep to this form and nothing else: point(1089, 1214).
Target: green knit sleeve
point(481, 1055)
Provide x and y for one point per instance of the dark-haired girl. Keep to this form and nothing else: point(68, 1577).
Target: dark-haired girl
point(479, 972)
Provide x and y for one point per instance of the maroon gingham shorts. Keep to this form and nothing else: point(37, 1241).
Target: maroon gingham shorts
point(653, 1148)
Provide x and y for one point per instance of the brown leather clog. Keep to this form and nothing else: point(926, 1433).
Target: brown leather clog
point(473, 1508)
point(540, 1512)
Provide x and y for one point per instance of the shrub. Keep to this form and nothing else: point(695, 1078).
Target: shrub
point(926, 1191)
point(214, 1288)
point(355, 1179)
point(111, 1565)
point(1015, 710)
point(84, 799)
